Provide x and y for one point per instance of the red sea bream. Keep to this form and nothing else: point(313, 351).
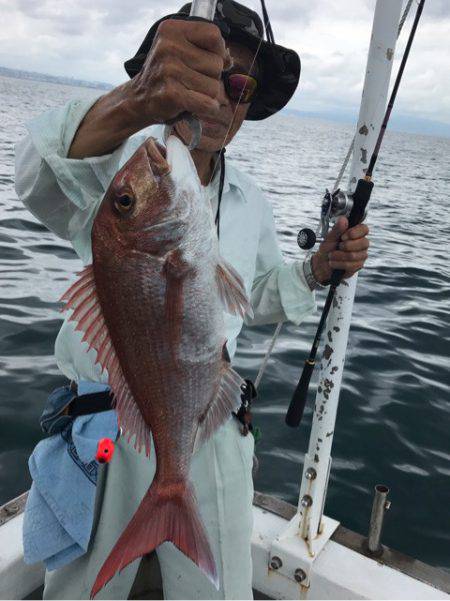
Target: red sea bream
point(151, 305)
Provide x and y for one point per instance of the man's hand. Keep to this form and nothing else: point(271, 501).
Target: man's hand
point(343, 248)
point(181, 73)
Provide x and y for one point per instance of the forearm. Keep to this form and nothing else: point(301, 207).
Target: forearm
point(112, 119)
point(282, 294)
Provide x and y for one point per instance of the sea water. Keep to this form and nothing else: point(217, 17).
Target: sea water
point(393, 421)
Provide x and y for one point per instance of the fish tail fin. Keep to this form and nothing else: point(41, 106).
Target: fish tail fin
point(168, 512)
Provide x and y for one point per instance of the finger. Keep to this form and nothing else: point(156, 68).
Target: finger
point(197, 82)
point(344, 256)
point(206, 36)
point(355, 245)
point(203, 61)
point(199, 104)
point(337, 230)
point(357, 231)
point(334, 235)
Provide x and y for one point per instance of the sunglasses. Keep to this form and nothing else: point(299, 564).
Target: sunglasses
point(239, 87)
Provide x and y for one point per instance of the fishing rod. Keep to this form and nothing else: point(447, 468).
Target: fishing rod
point(200, 9)
point(354, 206)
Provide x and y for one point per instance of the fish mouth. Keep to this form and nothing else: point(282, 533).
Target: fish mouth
point(182, 168)
point(156, 156)
point(161, 148)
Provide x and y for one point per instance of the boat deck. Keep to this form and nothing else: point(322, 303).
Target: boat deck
point(431, 582)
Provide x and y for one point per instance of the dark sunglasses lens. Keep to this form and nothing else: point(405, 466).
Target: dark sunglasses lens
point(241, 87)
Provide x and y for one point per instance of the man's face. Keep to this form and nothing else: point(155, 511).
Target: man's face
point(218, 133)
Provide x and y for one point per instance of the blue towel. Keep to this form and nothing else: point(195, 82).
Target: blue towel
point(60, 508)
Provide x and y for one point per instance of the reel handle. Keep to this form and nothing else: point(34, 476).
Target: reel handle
point(306, 238)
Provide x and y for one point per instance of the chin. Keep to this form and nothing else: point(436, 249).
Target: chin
point(208, 144)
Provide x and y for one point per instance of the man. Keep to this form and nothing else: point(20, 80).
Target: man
point(63, 169)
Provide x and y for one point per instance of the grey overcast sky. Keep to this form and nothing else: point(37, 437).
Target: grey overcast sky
point(89, 39)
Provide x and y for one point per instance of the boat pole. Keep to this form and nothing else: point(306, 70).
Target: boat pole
point(317, 464)
point(205, 9)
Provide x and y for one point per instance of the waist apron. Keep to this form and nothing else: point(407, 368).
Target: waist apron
point(221, 472)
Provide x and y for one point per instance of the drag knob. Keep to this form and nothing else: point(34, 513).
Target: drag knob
point(306, 238)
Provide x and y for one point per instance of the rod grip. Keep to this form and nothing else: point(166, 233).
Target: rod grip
point(361, 197)
point(297, 406)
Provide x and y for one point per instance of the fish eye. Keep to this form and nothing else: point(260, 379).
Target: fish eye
point(124, 203)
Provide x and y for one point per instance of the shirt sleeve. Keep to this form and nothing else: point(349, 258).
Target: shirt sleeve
point(280, 291)
point(60, 192)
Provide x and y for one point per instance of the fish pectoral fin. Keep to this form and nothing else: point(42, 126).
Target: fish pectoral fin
point(227, 400)
point(232, 291)
point(82, 298)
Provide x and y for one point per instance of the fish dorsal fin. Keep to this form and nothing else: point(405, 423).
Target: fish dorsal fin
point(232, 290)
point(83, 300)
point(226, 400)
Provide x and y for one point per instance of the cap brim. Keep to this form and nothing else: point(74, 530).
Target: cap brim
point(279, 79)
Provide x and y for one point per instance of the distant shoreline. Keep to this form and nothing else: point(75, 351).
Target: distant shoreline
point(68, 81)
point(399, 123)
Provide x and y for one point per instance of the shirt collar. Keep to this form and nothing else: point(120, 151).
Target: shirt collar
point(233, 179)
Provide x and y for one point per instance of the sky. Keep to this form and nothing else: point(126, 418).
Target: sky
point(89, 40)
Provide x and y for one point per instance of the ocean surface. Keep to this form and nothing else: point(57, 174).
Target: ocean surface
point(393, 423)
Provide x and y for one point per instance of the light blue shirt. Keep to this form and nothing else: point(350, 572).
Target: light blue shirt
point(65, 194)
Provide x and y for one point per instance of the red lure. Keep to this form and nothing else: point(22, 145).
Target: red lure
point(105, 450)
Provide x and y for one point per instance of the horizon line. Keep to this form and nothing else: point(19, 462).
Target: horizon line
point(414, 125)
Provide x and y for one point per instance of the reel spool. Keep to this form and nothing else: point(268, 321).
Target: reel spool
point(333, 206)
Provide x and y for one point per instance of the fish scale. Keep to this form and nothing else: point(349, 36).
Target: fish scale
point(155, 295)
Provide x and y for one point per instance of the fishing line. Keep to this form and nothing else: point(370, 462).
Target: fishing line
point(235, 110)
point(221, 154)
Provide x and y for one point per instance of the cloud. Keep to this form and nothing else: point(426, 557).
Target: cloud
point(90, 40)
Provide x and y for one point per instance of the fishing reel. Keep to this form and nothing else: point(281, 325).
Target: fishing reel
point(334, 204)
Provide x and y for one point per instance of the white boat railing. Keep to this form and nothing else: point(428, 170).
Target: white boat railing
point(316, 468)
point(309, 530)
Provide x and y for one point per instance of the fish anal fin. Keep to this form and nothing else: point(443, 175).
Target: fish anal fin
point(232, 290)
point(87, 313)
point(226, 400)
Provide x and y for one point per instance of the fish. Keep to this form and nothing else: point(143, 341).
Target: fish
point(152, 306)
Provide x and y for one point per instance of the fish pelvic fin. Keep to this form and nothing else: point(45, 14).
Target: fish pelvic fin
point(232, 290)
point(226, 400)
point(83, 300)
point(168, 512)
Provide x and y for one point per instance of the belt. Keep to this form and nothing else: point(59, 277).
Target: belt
point(103, 401)
point(91, 403)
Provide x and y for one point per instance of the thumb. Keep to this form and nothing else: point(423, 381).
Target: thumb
point(334, 235)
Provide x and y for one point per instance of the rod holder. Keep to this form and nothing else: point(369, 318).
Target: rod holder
point(380, 506)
